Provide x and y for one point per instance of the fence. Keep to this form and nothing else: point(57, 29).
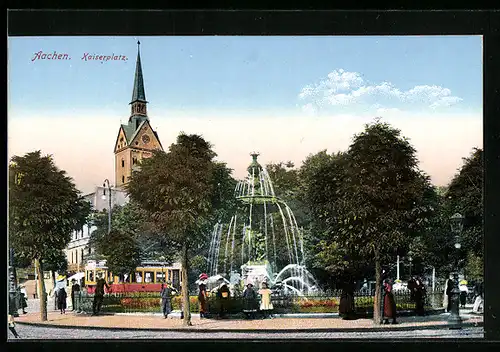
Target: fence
point(327, 302)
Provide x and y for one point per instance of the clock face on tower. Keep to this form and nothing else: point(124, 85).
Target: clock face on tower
point(145, 138)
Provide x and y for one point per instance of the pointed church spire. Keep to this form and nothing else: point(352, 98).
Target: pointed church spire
point(138, 92)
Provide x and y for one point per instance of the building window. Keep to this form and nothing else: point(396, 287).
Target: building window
point(123, 163)
point(134, 161)
point(123, 179)
point(90, 250)
point(72, 257)
point(81, 255)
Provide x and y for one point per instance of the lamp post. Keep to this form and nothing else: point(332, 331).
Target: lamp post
point(455, 322)
point(13, 299)
point(411, 261)
point(106, 181)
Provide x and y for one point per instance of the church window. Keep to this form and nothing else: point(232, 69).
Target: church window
point(134, 161)
point(123, 163)
point(123, 179)
point(136, 142)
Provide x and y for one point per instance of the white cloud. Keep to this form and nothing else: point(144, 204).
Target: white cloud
point(83, 144)
point(341, 88)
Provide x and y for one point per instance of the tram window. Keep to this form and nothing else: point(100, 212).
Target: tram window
point(160, 276)
point(149, 276)
point(91, 275)
point(138, 276)
point(122, 278)
point(170, 275)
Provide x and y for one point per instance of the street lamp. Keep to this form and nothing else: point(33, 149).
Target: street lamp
point(455, 322)
point(411, 261)
point(106, 181)
point(13, 299)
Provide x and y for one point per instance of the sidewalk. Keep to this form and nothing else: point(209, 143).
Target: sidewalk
point(155, 322)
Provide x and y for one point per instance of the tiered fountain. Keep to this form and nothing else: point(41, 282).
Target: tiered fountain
point(261, 238)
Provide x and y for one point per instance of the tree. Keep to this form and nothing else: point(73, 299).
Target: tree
point(371, 200)
point(55, 260)
point(121, 251)
point(465, 196)
point(179, 192)
point(44, 209)
point(127, 244)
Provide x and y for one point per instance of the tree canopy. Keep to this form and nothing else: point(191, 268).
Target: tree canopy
point(179, 192)
point(44, 209)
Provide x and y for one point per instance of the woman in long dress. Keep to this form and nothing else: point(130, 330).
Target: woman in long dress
point(249, 301)
point(61, 300)
point(202, 298)
point(389, 303)
point(266, 306)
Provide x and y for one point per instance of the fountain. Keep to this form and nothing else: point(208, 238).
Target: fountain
point(261, 238)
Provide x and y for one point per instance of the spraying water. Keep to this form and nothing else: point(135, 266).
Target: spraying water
point(268, 229)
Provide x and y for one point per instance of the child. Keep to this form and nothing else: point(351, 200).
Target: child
point(265, 302)
point(12, 326)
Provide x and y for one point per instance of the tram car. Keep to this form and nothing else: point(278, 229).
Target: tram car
point(148, 277)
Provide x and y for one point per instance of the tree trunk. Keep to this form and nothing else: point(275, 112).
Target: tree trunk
point(377, 318)
point(43, 294)
point(185, 284)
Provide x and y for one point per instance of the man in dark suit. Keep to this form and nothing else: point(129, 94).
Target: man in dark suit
point(99, 295)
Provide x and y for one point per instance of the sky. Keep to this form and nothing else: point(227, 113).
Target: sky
point(285, 97)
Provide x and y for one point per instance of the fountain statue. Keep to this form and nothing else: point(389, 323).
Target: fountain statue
point(262, 239)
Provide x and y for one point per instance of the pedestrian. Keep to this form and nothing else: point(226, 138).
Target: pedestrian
point(346, 306)
point(54, 294)
point(389, 310)
point(249, 301)
point(99, 295)
point(463, 293)
point(450, 283)
point(12, 326)
point(61, 300)
point(166, 298)
point(479, 300)
point(75, 296)
point(419, 297)
point(266, 306)
point(202, 296)
point(21, 294)
point(223, 294)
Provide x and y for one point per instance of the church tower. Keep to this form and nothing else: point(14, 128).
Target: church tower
point(136, 139)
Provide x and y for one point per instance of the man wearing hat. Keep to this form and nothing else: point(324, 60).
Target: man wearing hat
point(166, 298)
point(223, 296)
point(99, 295)
point(75, 296)
point(249, 301)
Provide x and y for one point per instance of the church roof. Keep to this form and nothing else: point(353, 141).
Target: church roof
point(138, 93)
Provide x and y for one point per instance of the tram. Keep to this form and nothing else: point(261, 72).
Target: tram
point(147, 277)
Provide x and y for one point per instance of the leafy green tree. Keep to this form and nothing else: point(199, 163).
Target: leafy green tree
point(44, 209)
point(121, 251)
point(55, 261)
point(126, 244)
point(465, 196)
point(371, 200)
point(179, 192)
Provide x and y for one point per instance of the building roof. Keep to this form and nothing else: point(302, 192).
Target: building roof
point(138, 93)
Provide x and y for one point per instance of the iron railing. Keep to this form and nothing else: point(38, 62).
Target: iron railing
point(325, 302)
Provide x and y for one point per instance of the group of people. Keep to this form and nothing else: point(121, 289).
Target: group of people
point(223, 294)
point(464, 292)
point(417, 294)
point(60, 296)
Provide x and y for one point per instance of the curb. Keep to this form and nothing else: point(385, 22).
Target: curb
point(384, 328)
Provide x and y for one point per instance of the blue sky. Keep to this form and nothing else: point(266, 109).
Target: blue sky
point(233, 73)
point(286, 97)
